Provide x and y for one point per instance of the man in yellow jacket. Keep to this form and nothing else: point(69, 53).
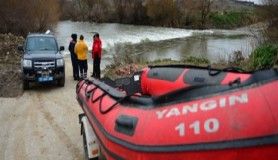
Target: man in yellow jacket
point(81, 50)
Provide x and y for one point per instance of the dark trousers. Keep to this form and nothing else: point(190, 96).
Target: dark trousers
point(75, 68)
point(83, 67)
point(96, 71)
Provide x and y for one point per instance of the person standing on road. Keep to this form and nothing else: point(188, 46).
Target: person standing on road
point(81, 50)
point(73, 56)
point(96, 55)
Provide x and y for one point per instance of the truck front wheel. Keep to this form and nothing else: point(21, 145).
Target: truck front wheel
point(25, 84)
point(61, 82)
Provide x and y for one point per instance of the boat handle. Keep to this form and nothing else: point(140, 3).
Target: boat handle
point(213, 73)
point(126, 124)
point(236, 81)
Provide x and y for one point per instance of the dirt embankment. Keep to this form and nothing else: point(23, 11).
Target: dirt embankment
point(10, 73)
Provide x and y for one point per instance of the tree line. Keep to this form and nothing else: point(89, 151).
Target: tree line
point(269, 14)
point(199, 14)
point(22, 17)
point(170, 13)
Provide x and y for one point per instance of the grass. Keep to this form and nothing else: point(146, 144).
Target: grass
point(263, 57)
point(231, 19)
point(189, 61)
point(128, 65)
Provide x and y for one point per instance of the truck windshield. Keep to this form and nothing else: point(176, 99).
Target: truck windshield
point(41, 44)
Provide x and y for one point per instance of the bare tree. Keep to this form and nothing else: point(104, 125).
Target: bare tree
point(196, 12)
point(130, 11)
point(21, 17)
point(96, 10)
point(268, 13)
point(119, 5)
point(188, 11)
point(205, 8)
point(163, 12)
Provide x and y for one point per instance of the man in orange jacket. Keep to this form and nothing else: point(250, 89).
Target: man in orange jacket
point(96, 55)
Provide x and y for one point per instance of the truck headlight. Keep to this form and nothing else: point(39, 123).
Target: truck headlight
point(60, 62)
point(27, 63)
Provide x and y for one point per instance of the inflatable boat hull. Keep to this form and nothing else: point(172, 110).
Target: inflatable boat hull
point(236, 123)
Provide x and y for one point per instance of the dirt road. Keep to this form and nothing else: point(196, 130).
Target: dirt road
point(42, 123)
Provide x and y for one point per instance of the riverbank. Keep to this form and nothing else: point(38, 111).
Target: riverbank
point(10, 72)
point(263, 57)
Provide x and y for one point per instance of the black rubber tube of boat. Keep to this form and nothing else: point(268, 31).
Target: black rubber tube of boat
point(232, 69)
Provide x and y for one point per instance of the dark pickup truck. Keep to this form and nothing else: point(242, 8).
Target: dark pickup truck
point(42, 61)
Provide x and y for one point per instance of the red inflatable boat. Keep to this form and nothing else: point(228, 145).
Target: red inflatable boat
point(184, 112)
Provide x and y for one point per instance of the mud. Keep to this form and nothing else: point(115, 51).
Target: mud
point(10, 73)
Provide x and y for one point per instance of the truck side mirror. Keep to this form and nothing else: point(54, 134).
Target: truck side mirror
point(20, 48)
point(62, 48)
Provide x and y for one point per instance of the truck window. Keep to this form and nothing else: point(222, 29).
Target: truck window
point(41, 44)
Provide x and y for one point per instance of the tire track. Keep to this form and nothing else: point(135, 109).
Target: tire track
point(16, 144)
point(20, 149)
point(34, 134)
point(76, 152)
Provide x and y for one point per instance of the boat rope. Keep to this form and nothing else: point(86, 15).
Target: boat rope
point(88, 92)
point(99, 97)
point(216, 72)
point(111, 107)
point(78, 86)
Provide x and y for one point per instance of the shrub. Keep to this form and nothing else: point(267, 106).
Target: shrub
point(263, 57)
point(196, 60)
point(231, 19)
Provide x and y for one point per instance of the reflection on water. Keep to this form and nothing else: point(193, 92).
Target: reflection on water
point(214, 49)
point(153, 43)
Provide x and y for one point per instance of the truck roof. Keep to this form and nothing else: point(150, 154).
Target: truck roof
point(39, 35)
